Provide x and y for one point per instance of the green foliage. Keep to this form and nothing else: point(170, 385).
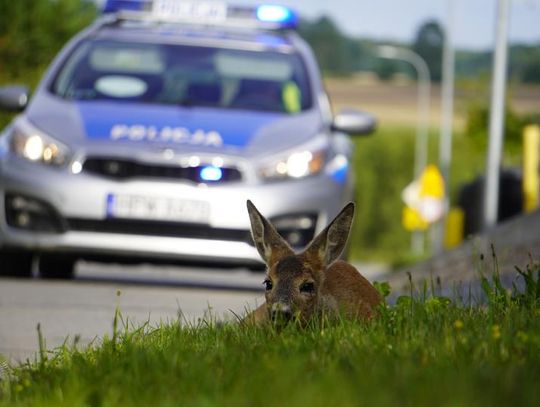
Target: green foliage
point(425, 350)
point(524, 63)
point(342, 55)
point(530, 296)
point(383, 166)
point(387, 68)
point(383, 288)
point(334, 51)
point(473, 65)
point(429, 45)
point(32, 32)
point(477, 126)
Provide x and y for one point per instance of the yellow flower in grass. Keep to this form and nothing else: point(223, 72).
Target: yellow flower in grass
point(495, 332)
point(458, 324)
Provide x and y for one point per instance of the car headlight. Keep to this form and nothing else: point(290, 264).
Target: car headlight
point(296, 164)
point(32, 144)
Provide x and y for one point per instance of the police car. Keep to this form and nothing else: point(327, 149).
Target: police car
point(152, 128)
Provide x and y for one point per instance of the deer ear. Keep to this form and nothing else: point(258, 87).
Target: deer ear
point(269, 243)
point(329, 244)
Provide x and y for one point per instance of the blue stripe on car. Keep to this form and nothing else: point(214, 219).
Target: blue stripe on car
point(236, 128)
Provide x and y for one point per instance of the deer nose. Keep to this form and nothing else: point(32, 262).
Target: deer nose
point(281, 312)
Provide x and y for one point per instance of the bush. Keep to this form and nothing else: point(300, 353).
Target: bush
point(32, 32)
point(477, 127)
point(383, 166)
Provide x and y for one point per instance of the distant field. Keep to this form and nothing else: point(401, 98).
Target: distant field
point(395, 103)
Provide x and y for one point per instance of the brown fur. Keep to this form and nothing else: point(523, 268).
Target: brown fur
point(312, 282)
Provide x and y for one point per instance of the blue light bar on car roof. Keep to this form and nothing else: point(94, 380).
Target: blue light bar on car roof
point(113, 6)
point(266, 16)
point(277, 14)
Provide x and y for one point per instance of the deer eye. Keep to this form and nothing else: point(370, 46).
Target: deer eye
point(307, 288)
point(267, 284)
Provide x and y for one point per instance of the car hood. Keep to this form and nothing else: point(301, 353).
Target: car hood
point(87, 124)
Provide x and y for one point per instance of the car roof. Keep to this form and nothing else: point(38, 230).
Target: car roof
point(286, 41)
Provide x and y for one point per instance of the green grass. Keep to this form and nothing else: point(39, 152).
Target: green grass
point(426, 350)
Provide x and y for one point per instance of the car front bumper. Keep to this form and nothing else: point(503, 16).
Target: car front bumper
point(81, 199)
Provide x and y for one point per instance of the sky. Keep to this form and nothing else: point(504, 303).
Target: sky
point(474, 20)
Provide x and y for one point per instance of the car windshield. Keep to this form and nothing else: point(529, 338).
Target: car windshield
point(185, 76)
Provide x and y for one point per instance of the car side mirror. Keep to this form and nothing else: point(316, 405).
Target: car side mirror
point(14, 97)
point(354, 122)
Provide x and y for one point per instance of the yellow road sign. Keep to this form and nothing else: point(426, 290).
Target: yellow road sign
point(431, 183)
point(411, 220)
point(424, 199)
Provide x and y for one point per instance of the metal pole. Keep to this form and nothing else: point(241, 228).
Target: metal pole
point(496, 120)
point(447, 118)
point(424, 90)
point(422, 128)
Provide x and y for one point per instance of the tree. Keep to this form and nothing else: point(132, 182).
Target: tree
point(429, 45)
point(331, 47)
point(31, 32)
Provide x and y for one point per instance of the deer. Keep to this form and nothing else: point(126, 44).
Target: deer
point(314, 282)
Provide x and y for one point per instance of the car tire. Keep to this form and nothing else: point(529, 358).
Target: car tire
point(56, 266)
point(16, 263)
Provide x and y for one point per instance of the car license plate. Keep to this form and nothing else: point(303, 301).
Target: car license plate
point(174, 10)
point(157, 208)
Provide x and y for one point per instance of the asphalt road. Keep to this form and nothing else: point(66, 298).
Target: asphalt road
point(85, 307)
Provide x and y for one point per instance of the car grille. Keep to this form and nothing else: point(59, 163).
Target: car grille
point(122, 169)
point(156, 228)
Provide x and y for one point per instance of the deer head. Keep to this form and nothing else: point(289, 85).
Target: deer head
point(293, 281)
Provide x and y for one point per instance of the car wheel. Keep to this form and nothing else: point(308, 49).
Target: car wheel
point(16, 264)
point(56, 266)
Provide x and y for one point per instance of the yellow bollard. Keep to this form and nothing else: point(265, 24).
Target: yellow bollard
point(531, 158)
point(454, 228)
